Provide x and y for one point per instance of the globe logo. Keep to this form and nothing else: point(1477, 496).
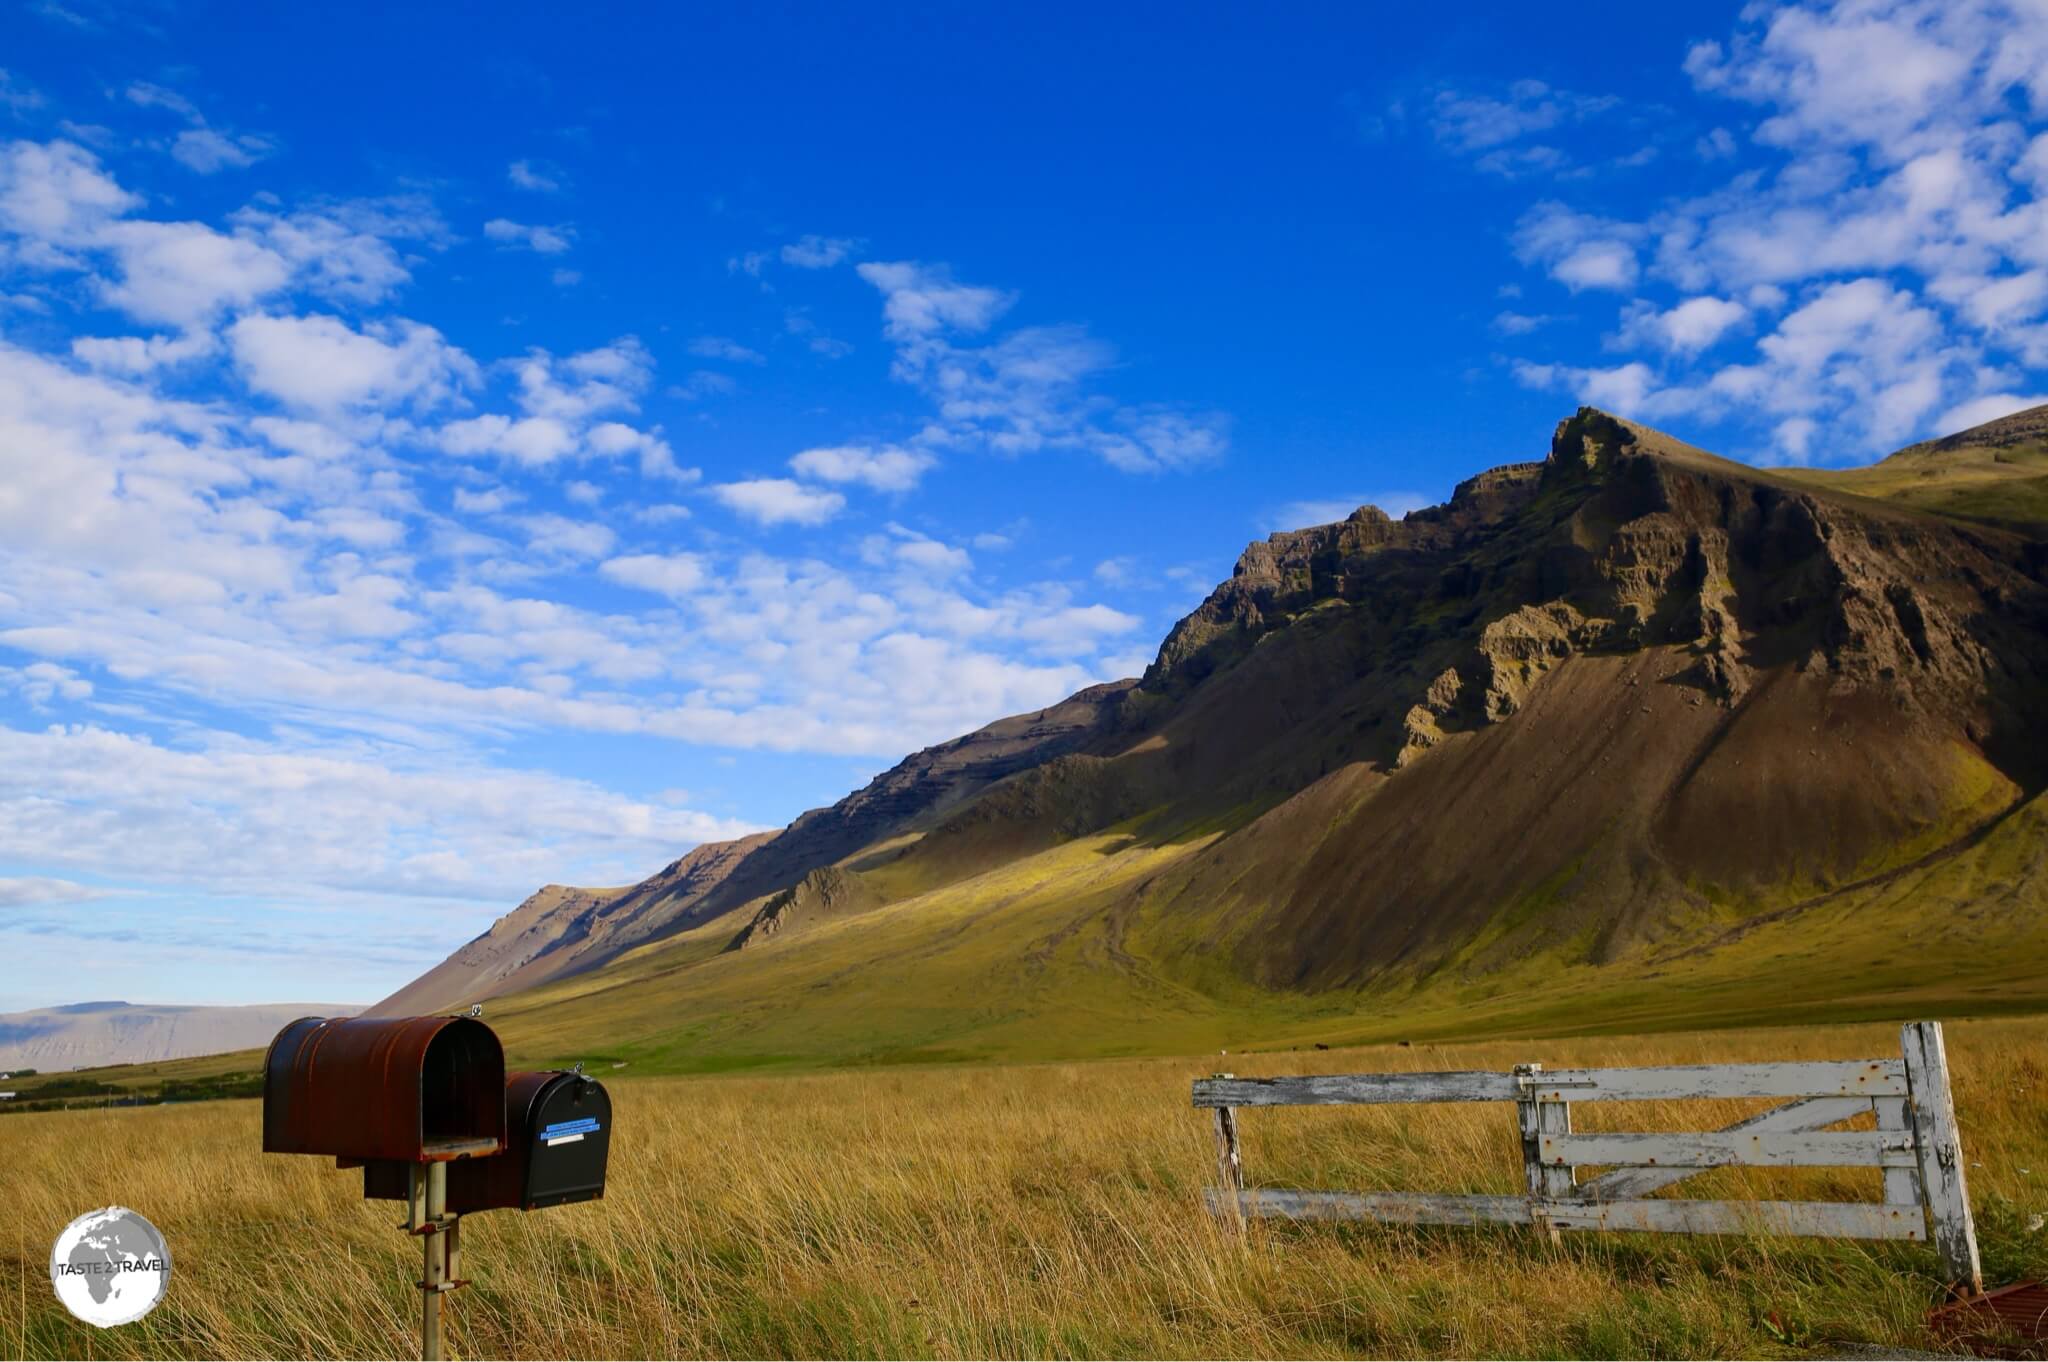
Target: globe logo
point(110, 1267)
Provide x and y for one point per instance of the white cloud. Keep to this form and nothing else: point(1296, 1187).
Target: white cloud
point(1716, 145)
point(884, 469)
point(571, 405)
point(227, 815)
point(200, 147)
point(666, 574)
point(1027, 391)
point(1633, 390)
point(17, 98)
point(23, 891)
point(923, 300)
point(207, 151)
point(1520, 323)
point(142, 354)
point(719, 347)
point(322, 363)
point(1990, 407)
point(545, 240)
point(41, 683)
point(817, 252)
point(564, 537)
point(1688, 328)
point(56, 192)
point(779, 501)
point(186, 273)
point(527, 175)
point(703, 383)
point(1468, 122)
point(490, 501)
point(1579, 250)
point(343, 251)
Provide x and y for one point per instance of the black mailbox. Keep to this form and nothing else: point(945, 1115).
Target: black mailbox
point(409, 1089)
point(558, 1141)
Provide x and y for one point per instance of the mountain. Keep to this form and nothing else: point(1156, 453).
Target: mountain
point(85, 1035)
point(561, 930)
point(1630, 722)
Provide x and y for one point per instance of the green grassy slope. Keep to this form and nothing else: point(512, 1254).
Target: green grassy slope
point(1054, 957)
point(1996, 473)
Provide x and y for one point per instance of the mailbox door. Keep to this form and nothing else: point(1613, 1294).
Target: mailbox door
point(568, 1133)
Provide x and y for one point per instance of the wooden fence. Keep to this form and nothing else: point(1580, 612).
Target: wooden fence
point(1915, 1143)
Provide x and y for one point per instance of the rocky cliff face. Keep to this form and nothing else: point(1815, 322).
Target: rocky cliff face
point(1654, 686)
point(822, 895)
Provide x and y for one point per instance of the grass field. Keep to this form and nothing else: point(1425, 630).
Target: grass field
point(1010, 1210)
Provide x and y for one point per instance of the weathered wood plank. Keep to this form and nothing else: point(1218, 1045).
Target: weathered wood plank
point(1940, 1146)
point(1825, 1078)
point(1901, 1185)
point(1809, 1113)
point(1723, 1148)
point(1832, 1219)
point(1311, 1090)
point(1398, 1208)
point(1849, 1220)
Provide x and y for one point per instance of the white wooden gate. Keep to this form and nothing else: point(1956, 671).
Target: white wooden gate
point(1916, 1144)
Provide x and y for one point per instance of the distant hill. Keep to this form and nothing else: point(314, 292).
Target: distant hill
point(85, 1035)
point(1996, 473)
point(1627, 734)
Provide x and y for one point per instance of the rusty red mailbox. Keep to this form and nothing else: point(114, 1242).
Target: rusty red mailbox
point(415, 1090)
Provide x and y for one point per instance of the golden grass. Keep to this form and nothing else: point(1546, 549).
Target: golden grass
point(1017, 1210)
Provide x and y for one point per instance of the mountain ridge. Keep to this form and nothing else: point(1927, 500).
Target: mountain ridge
point(87, 1035)
point(1684, 690)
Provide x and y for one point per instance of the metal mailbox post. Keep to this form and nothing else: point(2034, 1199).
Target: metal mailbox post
point(421, 1105)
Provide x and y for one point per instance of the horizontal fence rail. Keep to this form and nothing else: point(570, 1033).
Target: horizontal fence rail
point(1846, 1220)
point(1915, 1145)
point(1852, 1078)
point(1731, 1148)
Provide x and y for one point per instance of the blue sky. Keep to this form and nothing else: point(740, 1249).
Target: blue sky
point(440, 456)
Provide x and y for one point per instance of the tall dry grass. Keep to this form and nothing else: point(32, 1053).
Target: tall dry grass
point(1002, 1211)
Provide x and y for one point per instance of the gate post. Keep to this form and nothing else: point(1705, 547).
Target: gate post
point(1229, 1163)
point(1939, 1146)
point(1537, 1118)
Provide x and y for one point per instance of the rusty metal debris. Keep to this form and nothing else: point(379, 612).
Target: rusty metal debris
point(2009, 1322)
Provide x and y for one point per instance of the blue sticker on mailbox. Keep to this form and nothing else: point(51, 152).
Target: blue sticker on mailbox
point(582, 1126)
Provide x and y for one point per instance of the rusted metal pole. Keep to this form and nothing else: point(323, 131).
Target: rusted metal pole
point(434, 1283)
